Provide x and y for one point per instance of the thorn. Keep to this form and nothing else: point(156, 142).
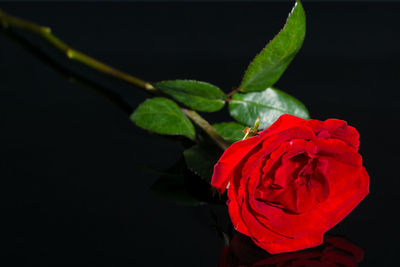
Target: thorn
point(45, 29)
point(149, 86)
point(70, 53)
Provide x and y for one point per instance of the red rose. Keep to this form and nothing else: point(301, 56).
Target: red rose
point(292, 182)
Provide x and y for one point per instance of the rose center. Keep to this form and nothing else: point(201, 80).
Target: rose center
point(295, 185)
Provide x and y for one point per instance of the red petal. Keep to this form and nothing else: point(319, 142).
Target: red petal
point(237, 151)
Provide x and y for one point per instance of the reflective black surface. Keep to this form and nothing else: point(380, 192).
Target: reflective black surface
point(335, 251)
point(75, 184)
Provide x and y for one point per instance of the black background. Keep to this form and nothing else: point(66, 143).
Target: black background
point(73, 187)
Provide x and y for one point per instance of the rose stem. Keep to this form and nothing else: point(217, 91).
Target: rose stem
point(45, 33)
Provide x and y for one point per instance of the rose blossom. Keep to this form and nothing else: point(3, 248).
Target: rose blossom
point(292, 182)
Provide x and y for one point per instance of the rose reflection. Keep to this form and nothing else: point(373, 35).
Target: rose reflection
point(334, 252)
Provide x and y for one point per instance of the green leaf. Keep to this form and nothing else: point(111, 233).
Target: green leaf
point(230, 131)
point(201, 160)
point(197, 95)
point(268, 66)
point(163, 116)
point(269, 104)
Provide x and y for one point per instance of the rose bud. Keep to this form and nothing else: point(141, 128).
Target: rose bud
point(292, 182)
